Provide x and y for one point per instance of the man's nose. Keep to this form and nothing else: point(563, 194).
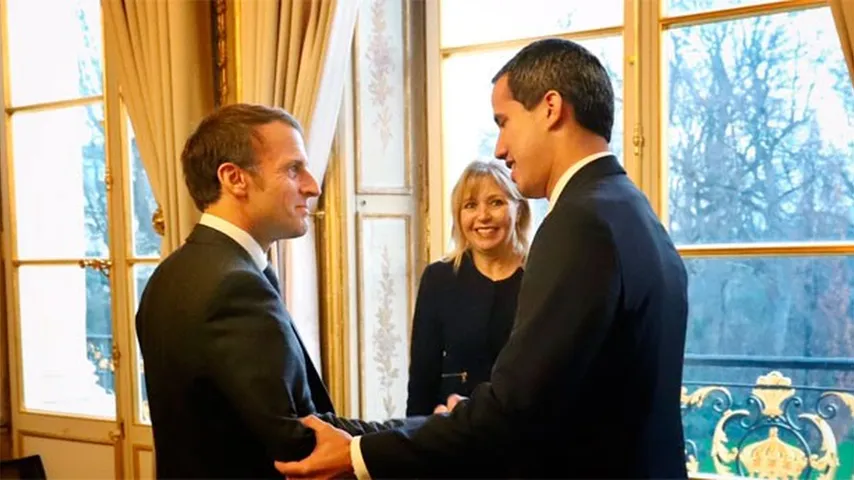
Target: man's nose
point(500, 149)
point(310, 188)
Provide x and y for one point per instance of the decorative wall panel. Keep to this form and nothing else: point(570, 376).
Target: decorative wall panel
point(71, 459)
point(143, 462)
point(381, 93)
point(385, 299)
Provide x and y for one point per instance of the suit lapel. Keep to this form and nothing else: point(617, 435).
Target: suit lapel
point(319, 394)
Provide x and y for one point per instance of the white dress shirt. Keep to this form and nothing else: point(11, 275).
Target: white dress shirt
point(238, 235)
point(356, 458)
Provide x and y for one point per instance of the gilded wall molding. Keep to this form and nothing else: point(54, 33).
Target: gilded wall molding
point(219, 20)
point(224, 38)
point(417, 54)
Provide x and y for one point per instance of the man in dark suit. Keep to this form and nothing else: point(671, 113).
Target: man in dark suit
point(588, 384)
point(227, 374)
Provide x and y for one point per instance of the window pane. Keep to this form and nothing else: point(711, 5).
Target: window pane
point(760, 131)
point(64, 64)
point(67, 341)
point(146, 242)
point(59, 167)
point(141, 274)
point(468, 130)
point(499, 20)
point(771, 306)
point(684, 7)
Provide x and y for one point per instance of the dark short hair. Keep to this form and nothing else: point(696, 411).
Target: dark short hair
point(571, 70)
point(229, 134)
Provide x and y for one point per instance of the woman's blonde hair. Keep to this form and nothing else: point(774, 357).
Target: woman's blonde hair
point(467, 185)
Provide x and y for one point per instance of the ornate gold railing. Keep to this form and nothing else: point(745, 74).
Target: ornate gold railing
point(776, 430)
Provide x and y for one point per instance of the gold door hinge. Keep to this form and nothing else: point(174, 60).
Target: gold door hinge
point(116, 356)
point(638, 139)
point(108, 178)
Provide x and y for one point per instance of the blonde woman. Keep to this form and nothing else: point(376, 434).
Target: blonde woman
point(466, 302)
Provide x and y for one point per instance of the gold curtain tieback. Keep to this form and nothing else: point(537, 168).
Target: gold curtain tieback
point(158, 221)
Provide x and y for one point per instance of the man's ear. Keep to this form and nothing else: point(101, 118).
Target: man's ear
point(555, 109)
point(232, 179)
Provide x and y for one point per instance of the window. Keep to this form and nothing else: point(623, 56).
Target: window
point(758, 126)
point(79, 214)
point(512, 20)
point(472, 53)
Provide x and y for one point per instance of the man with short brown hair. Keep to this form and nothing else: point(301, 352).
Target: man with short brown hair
point(227, 374)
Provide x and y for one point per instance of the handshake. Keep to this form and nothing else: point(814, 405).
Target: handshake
point(453, 400)
point(331, 457)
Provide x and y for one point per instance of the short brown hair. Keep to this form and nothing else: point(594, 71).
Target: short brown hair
point(229, 134)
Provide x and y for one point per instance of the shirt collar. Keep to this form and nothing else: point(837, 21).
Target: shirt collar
point(569, 173)
point(238, 235)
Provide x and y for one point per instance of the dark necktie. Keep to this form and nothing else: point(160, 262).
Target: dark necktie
point(271, 277)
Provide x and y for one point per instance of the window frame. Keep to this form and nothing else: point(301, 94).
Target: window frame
point(128, 436)
point(437, 218)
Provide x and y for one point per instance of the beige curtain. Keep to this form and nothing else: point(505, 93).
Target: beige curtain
point(843, 16)
point(166, 82)
point(293, 54)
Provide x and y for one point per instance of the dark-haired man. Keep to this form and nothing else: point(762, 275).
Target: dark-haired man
point(588, 385)
point(226, 372)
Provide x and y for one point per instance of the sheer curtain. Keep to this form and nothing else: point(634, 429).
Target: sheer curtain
point(292, 54)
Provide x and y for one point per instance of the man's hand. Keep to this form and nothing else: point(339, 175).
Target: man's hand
point(331, 455)
point(453, 400)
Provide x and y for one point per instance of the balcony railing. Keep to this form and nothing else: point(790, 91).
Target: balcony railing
point(771, 428)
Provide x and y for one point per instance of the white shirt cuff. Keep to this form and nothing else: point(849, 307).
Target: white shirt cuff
point(359, 467)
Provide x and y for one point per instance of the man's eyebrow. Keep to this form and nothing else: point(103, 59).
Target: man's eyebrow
point(295, 162)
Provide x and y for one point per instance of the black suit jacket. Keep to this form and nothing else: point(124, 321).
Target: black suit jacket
point(226, 372)
point(462, 320)
point(588, 384)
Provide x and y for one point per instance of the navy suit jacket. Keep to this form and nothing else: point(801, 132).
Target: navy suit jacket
point(589, 382)
point(226, 372)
